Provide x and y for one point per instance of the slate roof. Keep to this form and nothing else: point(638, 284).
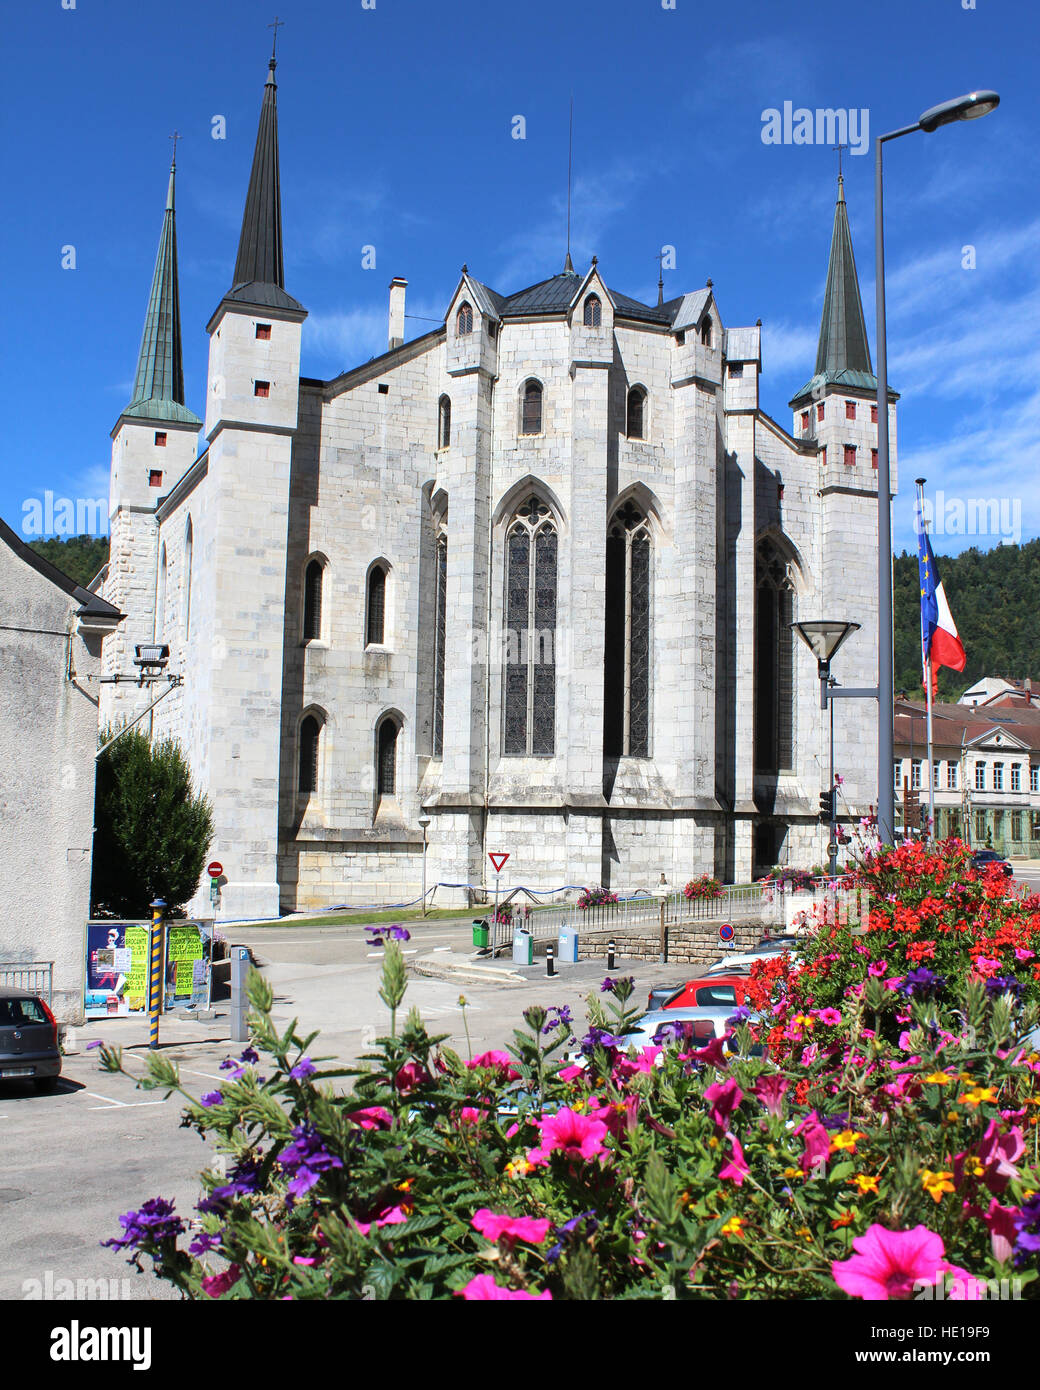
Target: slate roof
point(554, 296)
point(952, 724)
point(90, 605)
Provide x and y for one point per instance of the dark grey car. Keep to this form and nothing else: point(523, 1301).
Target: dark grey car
point(29, 1048)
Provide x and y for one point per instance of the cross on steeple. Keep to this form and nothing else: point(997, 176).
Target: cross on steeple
point(660, 277)
point(278, 24)
point(839, 147)
point(175, 137)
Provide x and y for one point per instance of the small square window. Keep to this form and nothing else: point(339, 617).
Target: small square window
point(160, 439)
point(263, 330)
point(384, 388)
point(819, 411)
point(850, 455)
point(873, 459)
point(155, 477)
point(873, 414)
point(680, 338)
point(736, 369)
point(261, 388)
point(850, 410)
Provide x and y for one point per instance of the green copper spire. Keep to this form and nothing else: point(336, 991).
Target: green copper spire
point(159, 385)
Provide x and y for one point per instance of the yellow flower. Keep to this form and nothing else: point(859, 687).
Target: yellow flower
point(804, 1232)
point(733, 1227)
point(866, 1182)
point(685, 1199)
point(975, 1167)
point(845, 1140)
point(713, 1142)
point(1029, 1194)
point(978, 1094)
point(938, 1078)
point(935, 1184)
point(792, 1172)
point(803, 1020)
point(405, 1186)
point(519, 1168)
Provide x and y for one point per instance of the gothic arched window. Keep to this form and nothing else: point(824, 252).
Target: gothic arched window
point(444, 422)
point(313, 584)
point(310, 738)
point(706, 331)
point(626, 708)
point(774, 660)
point(386, 757)
point(440, 632)
point(189, 546)
point(635, 414)
point(593, 311)
point(530, 674)
point(531, 412)
point(375, 607)
point(464, 320)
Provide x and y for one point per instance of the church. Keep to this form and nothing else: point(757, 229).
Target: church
point(523, 583)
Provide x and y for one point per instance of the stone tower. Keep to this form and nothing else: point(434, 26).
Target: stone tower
point(251, 416)
point(153, 444)
point(837, 409)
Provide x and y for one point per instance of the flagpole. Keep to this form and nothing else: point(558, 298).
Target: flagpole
point(927, 658)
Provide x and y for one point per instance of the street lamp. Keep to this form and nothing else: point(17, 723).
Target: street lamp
point(823, 639)
point(965, 108)
point(424, 821)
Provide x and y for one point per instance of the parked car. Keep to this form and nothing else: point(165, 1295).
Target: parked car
point(656, 1026)
point(743, 961)
point(29, 1049)
point(983, 858)
point(725, 990)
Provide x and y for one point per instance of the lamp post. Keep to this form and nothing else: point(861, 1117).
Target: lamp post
point(424, 821)
point(823, 639)
point(965, 108)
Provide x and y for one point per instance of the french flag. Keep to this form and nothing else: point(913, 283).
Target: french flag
point(939, 639)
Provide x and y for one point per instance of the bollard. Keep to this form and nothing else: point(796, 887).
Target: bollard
point(239, 1002)
point(550, 961)
point(155, 972)
point(611, 952)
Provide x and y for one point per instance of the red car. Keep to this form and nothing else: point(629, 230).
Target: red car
point(712, 990)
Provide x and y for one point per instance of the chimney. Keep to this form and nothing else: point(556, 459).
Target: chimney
point(397, 289)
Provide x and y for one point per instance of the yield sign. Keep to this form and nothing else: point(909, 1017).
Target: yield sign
point(498, 860)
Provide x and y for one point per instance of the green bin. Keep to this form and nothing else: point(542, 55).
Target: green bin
point(480, 933)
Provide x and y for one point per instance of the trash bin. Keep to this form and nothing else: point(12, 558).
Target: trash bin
point(480, 933)
point(569, 945)
point(523, 947)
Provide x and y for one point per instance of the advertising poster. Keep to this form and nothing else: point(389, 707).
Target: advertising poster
point(188, 947)
point(117, 969)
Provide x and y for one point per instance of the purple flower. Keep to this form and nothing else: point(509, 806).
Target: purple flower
point(303, 1068)
point(211, 1098)
point(922, 981)
point(559, 1016)
point(245, 1179)
point(1004, 984)
point(599, 1037)
point(740, 1015)
point(232, 1067)
point(1027, 1223)
point(306, 1159)
point(91, 1045)
point(400, 934)
point(153, 1223)
point(250, 1056)
point(607, 987)
point(378, 936)
point(204, 1243)
point(617, 985)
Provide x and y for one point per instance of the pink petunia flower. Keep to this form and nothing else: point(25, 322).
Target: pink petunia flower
point(216, 1285)
point(1001, 1222)
point(483, 1286)
point(723, 1098)
point(498, 1061)
point(570, 1073)
point(888, 1264)
point(411, 1075)
point(877, 968)
point(372, 1117)
point(770, 1089)
point(736, 1170)
point(817, 1143)
point(576, 1136)
point(831, 1017)
point(500, 1226)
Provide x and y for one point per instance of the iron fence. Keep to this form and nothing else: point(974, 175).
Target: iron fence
point(35, 977)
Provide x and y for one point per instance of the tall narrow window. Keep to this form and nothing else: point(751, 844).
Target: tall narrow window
point(160, 597)
point(706, 331)
point(635, 423)
point(440, 632)
point(386, 771)
point(189, 546)
point(531, 414)
point(313, 584)
point(626, 696)
point(464, 320)
point(444, 422)
point(375, 620)
point(593, 311)
point(774, 664)
point(530, 674)
point(310, 736)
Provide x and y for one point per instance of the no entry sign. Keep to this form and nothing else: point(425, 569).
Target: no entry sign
point(215, 869)
point(497, 860)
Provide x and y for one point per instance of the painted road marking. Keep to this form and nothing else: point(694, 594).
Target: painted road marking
point(207, 1074)
point(125, 1105)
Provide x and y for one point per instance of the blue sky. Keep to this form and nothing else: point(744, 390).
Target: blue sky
point(395, 127)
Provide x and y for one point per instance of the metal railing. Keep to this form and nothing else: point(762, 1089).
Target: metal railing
point(35, 977)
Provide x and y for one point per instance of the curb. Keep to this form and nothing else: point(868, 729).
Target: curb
point(436, 968)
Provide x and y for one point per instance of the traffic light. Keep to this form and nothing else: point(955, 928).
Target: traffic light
point(827, 807)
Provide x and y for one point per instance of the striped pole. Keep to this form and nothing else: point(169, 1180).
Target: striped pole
point(155, 973)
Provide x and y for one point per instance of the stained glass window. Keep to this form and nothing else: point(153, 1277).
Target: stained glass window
point(774, 661)
point(376, 615)
point(387, 769)
point(438, 656)
point(593, 311)
point(626, 712)
point(310, 733)
point(312, 588)
point(530, 645)
point(464, 320)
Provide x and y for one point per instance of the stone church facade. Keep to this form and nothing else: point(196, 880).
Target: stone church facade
point(529, 575)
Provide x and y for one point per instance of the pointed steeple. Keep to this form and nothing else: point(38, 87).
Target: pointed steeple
point(259, 271)
point(843, 342)
point(159, 384)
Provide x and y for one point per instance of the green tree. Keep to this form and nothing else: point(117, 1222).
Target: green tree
point(153, 834)
point(80, 557)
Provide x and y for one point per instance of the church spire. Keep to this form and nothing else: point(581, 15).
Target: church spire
point(259, 277)
point(843, 342)
point(159, 383)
